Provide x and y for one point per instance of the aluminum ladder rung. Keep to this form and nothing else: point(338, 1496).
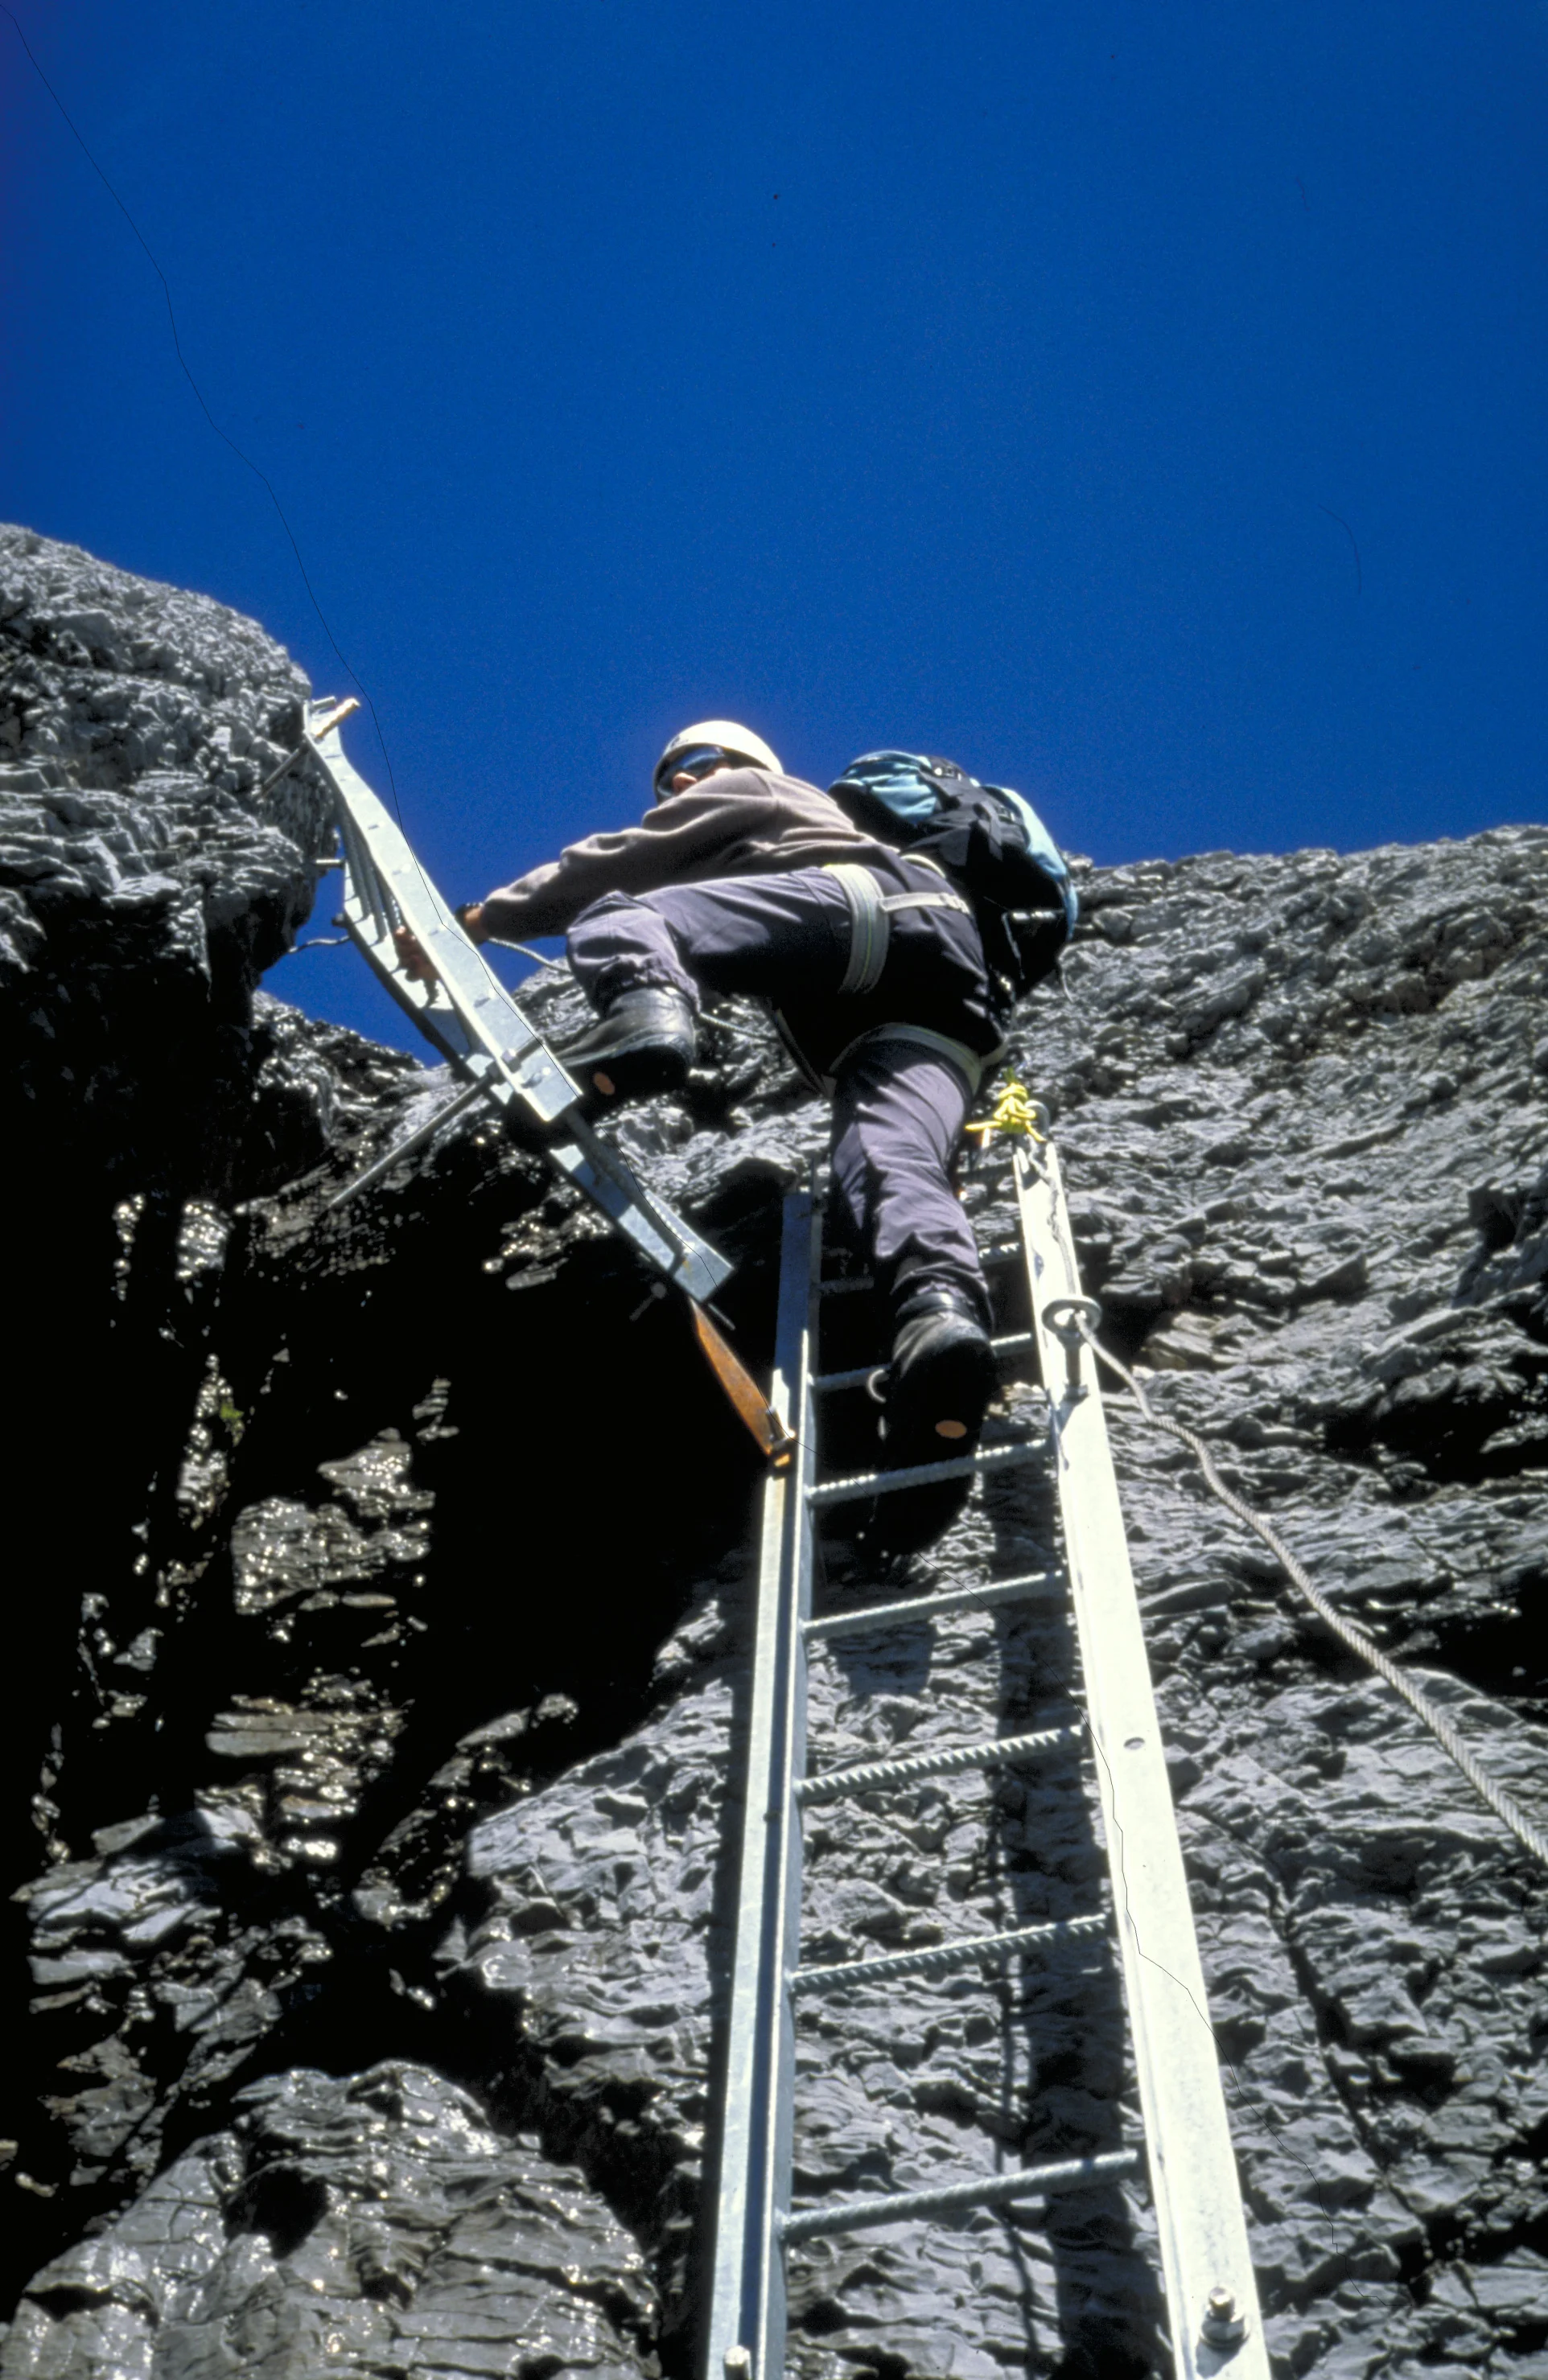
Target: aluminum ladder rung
point(998, 2190)
point(846, 1284)
point(923, 1475)
point(876, 1776)
point(1013, 1343)
point(942, 1958)
point(1037, 1586)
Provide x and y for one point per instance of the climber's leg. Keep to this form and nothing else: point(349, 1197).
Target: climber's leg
point(642, 962)
point(756, 934)
point(899, 1109)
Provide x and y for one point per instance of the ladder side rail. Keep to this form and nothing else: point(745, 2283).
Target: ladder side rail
point(483, 1007)
point(1193, 2174)
point(409, 898)
point(768, 2347)
point(753, 2126)
point(360, 876)
point(437, 1020)
point(368, 910)
point(660, 1236)
point(364, 920)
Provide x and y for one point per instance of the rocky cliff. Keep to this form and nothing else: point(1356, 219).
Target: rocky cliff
point(382, 1585)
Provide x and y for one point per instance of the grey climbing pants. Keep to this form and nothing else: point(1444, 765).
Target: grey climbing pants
point(901, 1055)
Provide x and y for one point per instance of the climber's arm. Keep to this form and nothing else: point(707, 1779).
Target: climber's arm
point(679, 840)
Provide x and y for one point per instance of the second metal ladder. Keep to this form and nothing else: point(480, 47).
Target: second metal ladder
point(1211, 2307)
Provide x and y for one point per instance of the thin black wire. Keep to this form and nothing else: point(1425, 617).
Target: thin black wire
point(1360, 568)
point(262, 476)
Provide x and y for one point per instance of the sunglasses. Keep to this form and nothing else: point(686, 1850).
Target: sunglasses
point(694, 762)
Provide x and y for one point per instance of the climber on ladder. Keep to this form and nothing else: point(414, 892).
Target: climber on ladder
point(867, 918)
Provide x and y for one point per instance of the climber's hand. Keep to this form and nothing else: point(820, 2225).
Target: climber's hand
point(412, 956)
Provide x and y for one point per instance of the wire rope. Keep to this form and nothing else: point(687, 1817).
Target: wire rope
point(1505, 1807)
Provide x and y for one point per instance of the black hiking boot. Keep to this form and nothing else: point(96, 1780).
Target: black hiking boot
point(938, 1386)
point(645, 1044)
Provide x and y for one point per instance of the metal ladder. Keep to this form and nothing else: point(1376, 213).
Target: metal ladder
point(1211, 2305)
point(472, 1020)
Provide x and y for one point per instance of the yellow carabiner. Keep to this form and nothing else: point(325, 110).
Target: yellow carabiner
point(1015, 1113)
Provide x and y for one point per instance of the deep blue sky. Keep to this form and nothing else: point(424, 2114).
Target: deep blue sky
point(980, 377)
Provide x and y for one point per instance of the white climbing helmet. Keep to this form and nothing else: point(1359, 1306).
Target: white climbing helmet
point(737, 742)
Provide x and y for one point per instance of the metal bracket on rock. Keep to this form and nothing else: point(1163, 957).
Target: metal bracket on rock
point(1072, 1321)
point(774, 1442)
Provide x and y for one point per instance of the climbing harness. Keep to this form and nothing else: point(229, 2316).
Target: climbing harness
point(1349, 1632)
point(1212, 2308)
point(472, 1020)
point(919, 1036)
point(967, 1063)
point(870, 914)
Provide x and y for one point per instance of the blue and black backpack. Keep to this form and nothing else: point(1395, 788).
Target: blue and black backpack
point(990, 841)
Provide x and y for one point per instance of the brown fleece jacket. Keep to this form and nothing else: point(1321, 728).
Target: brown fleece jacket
point(739, 822)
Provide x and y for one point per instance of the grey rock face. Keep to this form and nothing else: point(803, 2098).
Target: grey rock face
point(367, 2226)
point(157, 852)
point(380, 1949)
point(155, 856)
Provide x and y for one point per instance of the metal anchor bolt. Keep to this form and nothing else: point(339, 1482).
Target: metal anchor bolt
point(738, 2363)
point(1223, 2325)
point(1069, 1320)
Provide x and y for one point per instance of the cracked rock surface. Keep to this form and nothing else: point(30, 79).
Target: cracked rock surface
point(371, 1810)
point(375, 2225)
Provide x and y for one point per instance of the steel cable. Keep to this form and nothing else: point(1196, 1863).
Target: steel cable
point(1506, 1809)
